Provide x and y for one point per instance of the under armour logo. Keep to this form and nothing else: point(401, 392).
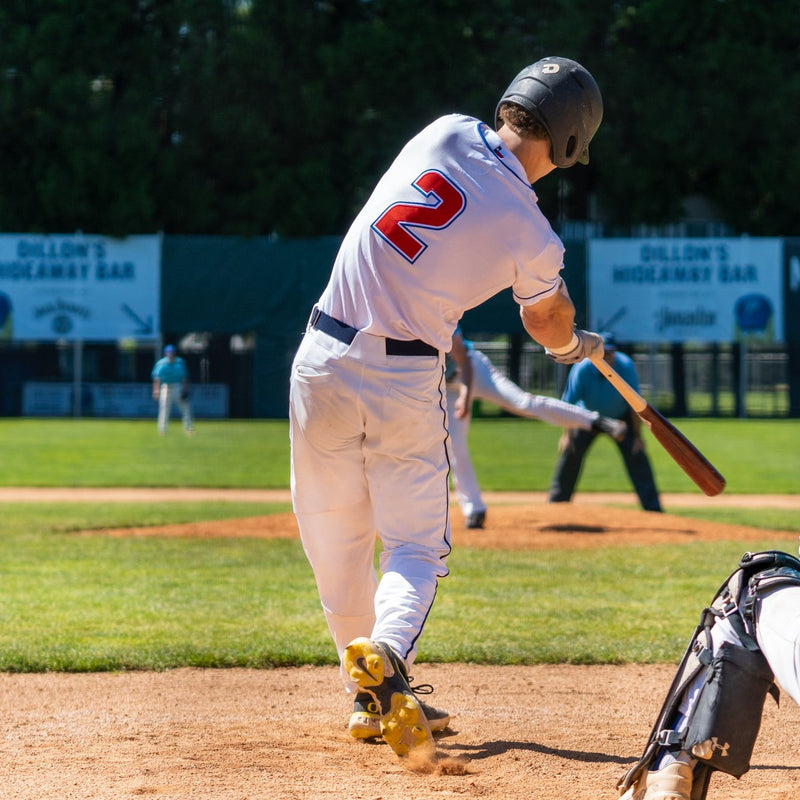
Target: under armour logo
point(723, 748)
point(705, 749)
point(550, 69)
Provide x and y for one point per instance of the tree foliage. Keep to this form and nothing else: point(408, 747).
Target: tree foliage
point(278, 116)
point(701, 102)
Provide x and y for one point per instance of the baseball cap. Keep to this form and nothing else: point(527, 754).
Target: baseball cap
point(609, 340)
point(169, 350)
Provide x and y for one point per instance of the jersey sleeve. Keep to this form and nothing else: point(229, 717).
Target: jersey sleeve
point(541, 276)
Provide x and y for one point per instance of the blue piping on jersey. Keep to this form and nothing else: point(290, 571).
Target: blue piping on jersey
point(482, 128)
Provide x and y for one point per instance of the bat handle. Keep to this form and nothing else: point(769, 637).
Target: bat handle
point(632, 397)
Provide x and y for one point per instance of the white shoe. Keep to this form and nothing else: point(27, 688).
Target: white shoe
point(673, 782)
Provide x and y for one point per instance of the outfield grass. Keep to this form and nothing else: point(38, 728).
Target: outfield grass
point(755, 456)
point(90, 602)
point(87, 452)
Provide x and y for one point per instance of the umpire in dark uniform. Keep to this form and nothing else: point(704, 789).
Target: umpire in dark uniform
point(587, 387)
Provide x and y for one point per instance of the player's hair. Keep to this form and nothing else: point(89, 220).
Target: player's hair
point(521, 121)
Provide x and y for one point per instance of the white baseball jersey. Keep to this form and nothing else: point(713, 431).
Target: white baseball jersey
point(452, 222)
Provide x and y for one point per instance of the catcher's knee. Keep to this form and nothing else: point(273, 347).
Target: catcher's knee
point(725, 717)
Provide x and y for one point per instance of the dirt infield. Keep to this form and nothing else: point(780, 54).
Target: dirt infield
point(540, 731)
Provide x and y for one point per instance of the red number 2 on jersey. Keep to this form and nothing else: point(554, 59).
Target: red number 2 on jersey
point(394, 224)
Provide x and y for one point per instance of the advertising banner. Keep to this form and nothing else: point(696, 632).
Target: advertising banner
point(687, 290)
point(79, 287)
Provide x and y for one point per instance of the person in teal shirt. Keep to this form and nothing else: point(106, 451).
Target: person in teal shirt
point(588, 388)
point(171, 387)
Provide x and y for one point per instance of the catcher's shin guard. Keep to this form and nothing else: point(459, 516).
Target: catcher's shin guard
point(724, 722)
point(725, 719)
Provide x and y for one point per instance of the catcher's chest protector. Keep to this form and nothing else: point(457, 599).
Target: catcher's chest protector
point(726, 717)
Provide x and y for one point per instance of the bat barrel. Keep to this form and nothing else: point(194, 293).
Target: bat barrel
point(684, 453)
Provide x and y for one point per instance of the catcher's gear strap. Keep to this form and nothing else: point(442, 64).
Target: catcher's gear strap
point(756, 572)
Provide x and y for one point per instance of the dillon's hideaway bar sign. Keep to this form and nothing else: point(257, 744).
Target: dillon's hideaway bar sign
point(79, 287)
point(687, 290)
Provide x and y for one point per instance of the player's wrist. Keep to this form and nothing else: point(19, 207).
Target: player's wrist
point(567, 348)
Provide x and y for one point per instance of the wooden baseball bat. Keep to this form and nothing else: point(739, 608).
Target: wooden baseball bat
point(683, 452)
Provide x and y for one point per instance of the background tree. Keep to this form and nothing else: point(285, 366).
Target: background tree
point(700, 98)
point(278, 116)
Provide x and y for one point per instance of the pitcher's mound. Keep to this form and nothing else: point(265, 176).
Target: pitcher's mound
point(512, 527)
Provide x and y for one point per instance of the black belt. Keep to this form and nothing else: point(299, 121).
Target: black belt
point(345, 333)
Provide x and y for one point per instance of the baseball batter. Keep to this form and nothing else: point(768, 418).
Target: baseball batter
point(472, 376)
point(453, 221)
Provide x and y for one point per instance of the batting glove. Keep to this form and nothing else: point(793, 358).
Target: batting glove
point(583, 345)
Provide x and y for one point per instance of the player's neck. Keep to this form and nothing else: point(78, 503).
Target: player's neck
point(533, 154)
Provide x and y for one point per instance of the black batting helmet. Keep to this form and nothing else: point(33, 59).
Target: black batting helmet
point(565, 98)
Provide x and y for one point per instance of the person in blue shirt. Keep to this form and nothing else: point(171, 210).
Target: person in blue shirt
point(588, 388)
point(171, 386)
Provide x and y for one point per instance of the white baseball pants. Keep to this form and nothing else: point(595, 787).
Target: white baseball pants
point(169, 394)
point(368, 434)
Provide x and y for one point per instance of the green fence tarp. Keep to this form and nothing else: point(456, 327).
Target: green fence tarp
point(229, 285)
point(235, 285)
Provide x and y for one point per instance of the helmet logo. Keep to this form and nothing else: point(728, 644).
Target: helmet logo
point(550, 69)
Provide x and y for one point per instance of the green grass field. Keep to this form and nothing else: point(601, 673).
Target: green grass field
point(74, 601)
point(509, 454)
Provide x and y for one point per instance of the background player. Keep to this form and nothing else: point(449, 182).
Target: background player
point(472, 376)
point(452, 222)
point(171, 386)
point(588, 388)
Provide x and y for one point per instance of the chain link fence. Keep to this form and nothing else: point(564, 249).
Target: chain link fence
point(720, 381)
